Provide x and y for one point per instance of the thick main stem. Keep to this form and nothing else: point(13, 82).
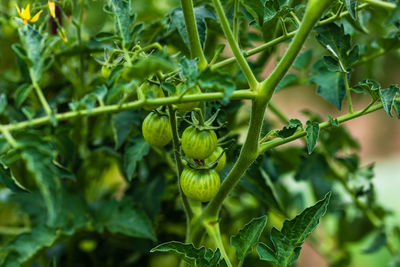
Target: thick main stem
point(196, 50)
point(249, 151)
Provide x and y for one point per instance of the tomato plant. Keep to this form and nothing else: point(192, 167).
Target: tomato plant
point(199, 133)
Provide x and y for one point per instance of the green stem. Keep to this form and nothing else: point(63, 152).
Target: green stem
point(348, 92)
point(314, 10)
point(179, 163)
point(379, 3)
point(277, 142)
point(280, 39)
point(244, 66)
point(193, 34)
point(10, 139)
point(249, 151)
point(40, 95)
point(213, 231)
point(236, 20)
point(237, 95)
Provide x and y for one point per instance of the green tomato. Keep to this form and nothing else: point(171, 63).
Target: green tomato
point(105, 71)
point(198, 144)
point(157, 130)
point(214, 156)
point(188, 106)
point(200, 185)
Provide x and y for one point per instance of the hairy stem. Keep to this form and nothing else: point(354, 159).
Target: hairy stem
point(196, 50)
point(348, 92)
point(40, 94)
point(244, 66)
point(237, 95)
point(277, 142)
point(214, 232)
point(379, 3)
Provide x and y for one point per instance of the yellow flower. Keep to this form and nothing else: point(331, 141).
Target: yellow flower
point(25, 14)
point(62, 34)
point(52, 8)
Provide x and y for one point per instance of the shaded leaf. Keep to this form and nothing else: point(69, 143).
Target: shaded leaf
point(387, 97)
point(248, 236)
point(289, 130)
point(201, 257)
point(330, 84)
point(218, 81)
point(338, 44)
point(3, 102)
point(312, 129)
point(351, 7)
point(122, 217)
point(289, 240)
point(303, 60)
point(26, 245)
point(135, 150)
point(290, 79)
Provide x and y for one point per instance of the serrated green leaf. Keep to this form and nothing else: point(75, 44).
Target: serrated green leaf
point(124, 19)
point(303, 60)
point(136, 149)
point(312, 130)
point(265, 253)
point(396, 106)
point(248, 236)
point(351, 8)
point(289, 240)
point(387, 97)
point(274, 11)
point(123, 217)
point(105, 36)
point(39, 163)
point(338, 44)
point(255, 9)
point(177, 22)
point(201, 257)
point(26, 245)
point(22, 93)
point(330, 84)
point(370, 86)
point(36, 48)
point(289, 130)
point(189, 70)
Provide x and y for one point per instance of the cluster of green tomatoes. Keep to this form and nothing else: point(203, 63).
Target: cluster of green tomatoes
point(199, 179)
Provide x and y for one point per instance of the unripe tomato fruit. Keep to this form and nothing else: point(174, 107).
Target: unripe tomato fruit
point(201, 185)
point(198, 144)
point(188, 106)
point(105, 71)
point(145, 88)
point(214, 156)
point(157, 130)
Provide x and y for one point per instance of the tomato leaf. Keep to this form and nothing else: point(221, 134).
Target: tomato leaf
point(342, 55)
point(124, 19)
point(396, 105)
point(135, 150)
point(200, 257)
point(289, 130)
point(123, 217)
point(288, 241)
point(28, 244)
point(351, 7)
point(3, 102)
point(303, 60)
point(248, 236)
point(218, 81)
point(330, 84)
point(312, 129)
point(387, 97)
point(377, 243)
